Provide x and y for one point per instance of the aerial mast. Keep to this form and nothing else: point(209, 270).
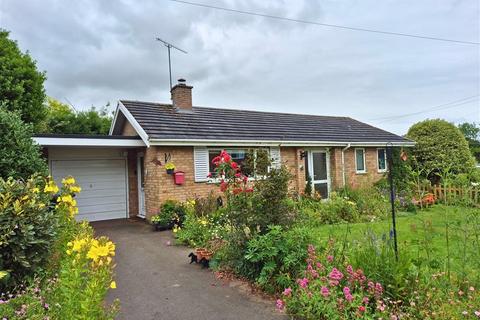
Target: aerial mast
point(169, 46)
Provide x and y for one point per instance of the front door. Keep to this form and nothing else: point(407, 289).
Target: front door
point(141, 185)
point(317, 165)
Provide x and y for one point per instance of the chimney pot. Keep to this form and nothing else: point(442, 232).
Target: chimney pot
point(182, 96)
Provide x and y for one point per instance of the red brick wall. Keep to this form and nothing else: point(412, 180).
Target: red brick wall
point(160, 186)
point(132, 182)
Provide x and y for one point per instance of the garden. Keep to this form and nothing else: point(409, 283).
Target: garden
point(336, 259)
point(51, 266)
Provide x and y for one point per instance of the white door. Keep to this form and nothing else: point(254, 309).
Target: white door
point(141, 185)
point(318, 169)
point(103, 183)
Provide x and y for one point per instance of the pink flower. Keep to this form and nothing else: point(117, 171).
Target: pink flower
point(325, 292)
point(378, 288)
point(330, 258)
point(347, 294)
point(477, 313)
point(280, 304)
point(303, 282)
point(361, 308)
point(287, 292)
point(471, 289)
point(311, 248)
point(335, 274)
point(365, 300)
point(350, 269)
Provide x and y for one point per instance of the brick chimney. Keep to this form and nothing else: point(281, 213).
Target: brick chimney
point(182, 96)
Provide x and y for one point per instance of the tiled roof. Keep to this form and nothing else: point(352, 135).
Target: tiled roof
point(162, 121)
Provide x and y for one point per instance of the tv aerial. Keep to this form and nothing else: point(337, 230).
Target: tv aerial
point(170, 46)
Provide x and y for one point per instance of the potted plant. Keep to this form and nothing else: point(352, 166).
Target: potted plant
point(170, 167)
point(160, 222)
point(171, 214)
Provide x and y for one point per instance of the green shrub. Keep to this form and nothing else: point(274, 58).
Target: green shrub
point(370, 201)
point(20, 157)
point(29, 226)
point(171, 214)
point(79, 273)
point(440, 148)
point(277, 257)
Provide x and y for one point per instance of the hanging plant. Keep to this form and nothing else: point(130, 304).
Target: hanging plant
point(170, 167)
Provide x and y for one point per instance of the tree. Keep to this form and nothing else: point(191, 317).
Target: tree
point(20, 157)
point(62, 119)
point(21, 84)
point(440, 148)
point(471, 131)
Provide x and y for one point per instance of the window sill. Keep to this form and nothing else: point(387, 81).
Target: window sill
point(382, 171)
point(218, 180)
point(361, 172)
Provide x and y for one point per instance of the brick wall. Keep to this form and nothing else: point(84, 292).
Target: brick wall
point(128, 130)
point(356, 180)
point(132, 182)
point(160, 186)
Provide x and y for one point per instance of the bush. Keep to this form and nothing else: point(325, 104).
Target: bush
point(172, 214)
point(20, 157)
point(440, 148)
point(371, 202)
point(29, 227)
point(79, 272)
point(276, 257)
point(331, 290)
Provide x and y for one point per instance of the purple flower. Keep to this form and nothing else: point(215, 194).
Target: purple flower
point(330, 258)
point(348, 294)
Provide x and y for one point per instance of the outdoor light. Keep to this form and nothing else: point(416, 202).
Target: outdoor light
point(303, 154)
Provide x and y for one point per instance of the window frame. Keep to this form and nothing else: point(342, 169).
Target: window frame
point(245, 149)
point(309, 170)
point(364, 162)
point(386, 162)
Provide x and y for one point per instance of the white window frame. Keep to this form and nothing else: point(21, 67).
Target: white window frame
point(386, 162)
point(364, 162)
point(218, 179)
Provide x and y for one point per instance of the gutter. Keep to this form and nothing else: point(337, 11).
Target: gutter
point(343, 164)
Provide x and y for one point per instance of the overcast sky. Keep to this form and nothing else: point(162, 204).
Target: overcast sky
point(96, 52)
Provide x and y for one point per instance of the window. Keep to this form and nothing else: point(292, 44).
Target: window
point(382, 160)
point(360, 161)
point(252, 162)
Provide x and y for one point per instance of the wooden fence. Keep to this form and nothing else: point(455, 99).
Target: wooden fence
point(453, 193)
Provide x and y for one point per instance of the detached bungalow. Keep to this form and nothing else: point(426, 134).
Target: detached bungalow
point(123, 174)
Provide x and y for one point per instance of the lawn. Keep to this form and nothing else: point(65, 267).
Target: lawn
point(423, 236)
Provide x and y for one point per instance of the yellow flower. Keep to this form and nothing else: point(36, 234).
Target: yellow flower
point(79, 244)
point(175, 229)
point(68, 181)
point(113, 285)
point(203, 222)
point(68, 199)
point(25, 197)
point(41, 205)
point(69, 252)
point(36, 190)
point(75, 189)
point(51, 187)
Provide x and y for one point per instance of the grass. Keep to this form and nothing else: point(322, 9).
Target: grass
point(422, 235)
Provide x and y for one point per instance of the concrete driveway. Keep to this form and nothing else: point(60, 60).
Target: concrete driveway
point(155, 281)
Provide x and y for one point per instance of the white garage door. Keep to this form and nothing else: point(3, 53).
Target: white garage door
point(103, 183)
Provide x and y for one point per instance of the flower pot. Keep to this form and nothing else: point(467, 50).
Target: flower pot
point(161, 227)
point(170, 171)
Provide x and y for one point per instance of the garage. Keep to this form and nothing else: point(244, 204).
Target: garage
point(100, 167)
point(103, 183)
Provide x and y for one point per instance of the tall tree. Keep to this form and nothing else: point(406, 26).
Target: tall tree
point(440, 148)
point(471, 131)
point(21, 84)
point(61, 118)
point(20, 157)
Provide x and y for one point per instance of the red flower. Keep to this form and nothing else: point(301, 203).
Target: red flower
point(216, 160)
point(225, 156)
point(209, 175)
point(234, 165)
point(245, 179)
point(223, 186)
point(249, 190)
point(238, 175)
point(237, 190)
point(361, 308)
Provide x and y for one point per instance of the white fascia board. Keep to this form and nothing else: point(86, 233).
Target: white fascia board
point(138, 128)
point(228, 143)
point(112, 125)
point(88, 142)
